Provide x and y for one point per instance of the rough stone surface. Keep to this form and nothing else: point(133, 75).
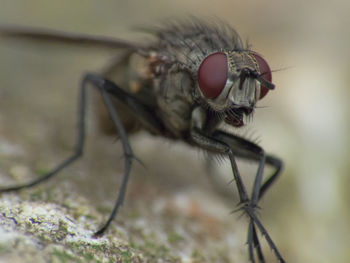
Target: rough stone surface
point(162, 220)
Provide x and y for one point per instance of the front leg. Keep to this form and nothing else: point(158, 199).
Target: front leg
point(214, 145)
point(219, 143)
point(248, 150)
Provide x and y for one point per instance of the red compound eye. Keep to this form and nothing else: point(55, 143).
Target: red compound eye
point(265, 72)
point(212, 75)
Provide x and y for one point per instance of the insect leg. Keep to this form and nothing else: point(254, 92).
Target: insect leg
point(103, 87)
point(108, 89)
point(212, 144)
point(278, 164)
point(246, 149)
point(215, 145)
point(250, 241)
point(257, 243)
point(253, 242)
point(78, 152)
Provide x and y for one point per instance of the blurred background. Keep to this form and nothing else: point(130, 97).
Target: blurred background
point(304, 121)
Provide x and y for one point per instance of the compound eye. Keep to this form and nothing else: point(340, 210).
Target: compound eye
point(212, 75)
point(265, 73)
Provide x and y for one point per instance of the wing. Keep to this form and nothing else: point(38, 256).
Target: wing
point(46, 35)
point(116, 70)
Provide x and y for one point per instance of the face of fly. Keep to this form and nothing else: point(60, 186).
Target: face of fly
point(232, 82)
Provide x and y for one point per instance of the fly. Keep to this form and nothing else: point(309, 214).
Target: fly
point(193, 78)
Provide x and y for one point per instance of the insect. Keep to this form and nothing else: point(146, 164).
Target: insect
point(193, 78)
